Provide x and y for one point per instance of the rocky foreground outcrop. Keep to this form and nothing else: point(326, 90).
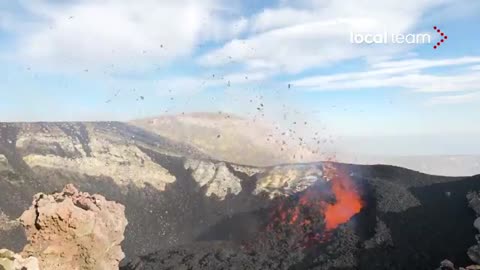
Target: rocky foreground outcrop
point(70, 230)
point(9, 260)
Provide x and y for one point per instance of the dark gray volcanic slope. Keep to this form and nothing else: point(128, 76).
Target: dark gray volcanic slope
point(186, 211)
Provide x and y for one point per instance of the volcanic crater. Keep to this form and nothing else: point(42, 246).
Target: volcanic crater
point(210, 214)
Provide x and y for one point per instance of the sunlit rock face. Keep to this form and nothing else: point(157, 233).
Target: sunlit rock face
point(97, 153)
point(288, 179)
point(216, 177)
point(51, 140)
point(4, 166)
point(9, 260)
point(248, 170)
point(74, 230)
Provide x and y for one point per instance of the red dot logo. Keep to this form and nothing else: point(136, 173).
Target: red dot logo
point(442, 35)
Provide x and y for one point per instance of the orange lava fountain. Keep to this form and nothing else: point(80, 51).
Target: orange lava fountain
point(348, 202)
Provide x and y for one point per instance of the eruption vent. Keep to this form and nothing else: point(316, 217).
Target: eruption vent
point(319, 210)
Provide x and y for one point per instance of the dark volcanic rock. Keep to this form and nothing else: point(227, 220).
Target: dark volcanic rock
point(413, 239)
point(210, 255)
point(474, 201)
point(382, 237)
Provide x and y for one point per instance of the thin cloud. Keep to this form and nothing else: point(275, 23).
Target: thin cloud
point(131, 37)
point(416, 64)
point(455, 99)
point(408, 74)
point(476, 67)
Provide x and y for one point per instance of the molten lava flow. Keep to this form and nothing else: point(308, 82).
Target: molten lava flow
point(309, 219)
point(348, 202)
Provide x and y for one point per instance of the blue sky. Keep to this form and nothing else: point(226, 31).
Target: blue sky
point(95, 60)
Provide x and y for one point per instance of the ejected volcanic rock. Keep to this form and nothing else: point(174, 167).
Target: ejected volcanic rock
point(9, 260)
point(74, 230)
point(230, 138)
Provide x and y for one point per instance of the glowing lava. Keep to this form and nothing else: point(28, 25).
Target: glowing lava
point(348, 203)
point(311, 218)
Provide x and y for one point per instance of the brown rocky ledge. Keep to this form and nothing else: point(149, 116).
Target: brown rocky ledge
point(70, 230)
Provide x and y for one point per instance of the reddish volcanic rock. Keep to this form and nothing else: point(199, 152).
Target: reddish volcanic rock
point(74, 230)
